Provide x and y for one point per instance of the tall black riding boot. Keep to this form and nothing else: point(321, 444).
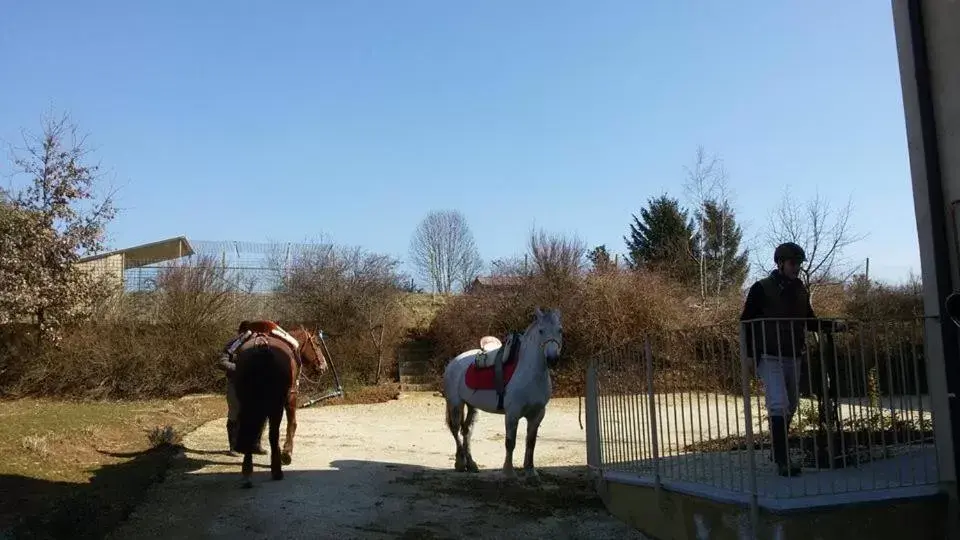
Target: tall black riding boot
point(781, 455)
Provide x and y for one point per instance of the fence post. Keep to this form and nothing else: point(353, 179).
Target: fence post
point(748, 418)
point(652, 400)
point(594, 459)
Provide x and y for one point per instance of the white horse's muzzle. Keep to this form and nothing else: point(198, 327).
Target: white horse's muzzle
point(551, 352)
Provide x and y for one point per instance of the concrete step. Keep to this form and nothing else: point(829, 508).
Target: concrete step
point(418, 387)
point(416, 371)
point(417, 379)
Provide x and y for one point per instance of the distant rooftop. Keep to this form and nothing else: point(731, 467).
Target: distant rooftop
point(147, 254)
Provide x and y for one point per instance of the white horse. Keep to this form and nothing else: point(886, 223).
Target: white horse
point(525, 395)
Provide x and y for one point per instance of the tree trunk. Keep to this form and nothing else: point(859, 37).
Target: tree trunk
point(379, 345)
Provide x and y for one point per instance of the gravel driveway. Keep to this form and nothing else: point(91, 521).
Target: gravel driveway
point(381, 471)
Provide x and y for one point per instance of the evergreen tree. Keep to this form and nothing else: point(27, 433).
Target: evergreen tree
point(600, 259)
point(662, 240)
point(726, 265)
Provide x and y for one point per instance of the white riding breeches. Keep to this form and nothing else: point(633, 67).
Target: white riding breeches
point(233, 405)
point(781, 382)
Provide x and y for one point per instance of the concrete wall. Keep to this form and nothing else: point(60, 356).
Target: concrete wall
point(928, 45)
point(678, 516)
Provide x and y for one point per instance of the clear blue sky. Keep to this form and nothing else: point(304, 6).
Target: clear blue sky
point(287, 120)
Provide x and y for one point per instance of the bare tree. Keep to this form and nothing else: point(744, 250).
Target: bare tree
point(823, 233)
point(700, 186)
point(443, 251)
point(556, 255)
point(707, 183)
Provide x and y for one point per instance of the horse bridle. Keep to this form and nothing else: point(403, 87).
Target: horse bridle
point(543, 344)
point(316, 351)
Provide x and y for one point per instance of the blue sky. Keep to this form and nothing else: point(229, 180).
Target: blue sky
point(353, 118)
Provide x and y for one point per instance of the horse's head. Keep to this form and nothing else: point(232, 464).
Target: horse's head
point(547, 331)
point(310, 350)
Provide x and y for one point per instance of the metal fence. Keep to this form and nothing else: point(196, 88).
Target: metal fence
point(690, 408)
point(254, 267)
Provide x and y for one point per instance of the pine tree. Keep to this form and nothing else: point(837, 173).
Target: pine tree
point(600, 260)
point(726, 265)
point(662, 240)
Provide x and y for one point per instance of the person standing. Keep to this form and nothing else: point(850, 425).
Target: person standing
point(777, 346)
point(225, 364)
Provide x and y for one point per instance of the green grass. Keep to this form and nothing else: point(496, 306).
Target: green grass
point(78, 468)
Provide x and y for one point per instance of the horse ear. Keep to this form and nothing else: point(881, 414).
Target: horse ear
point(537, 312)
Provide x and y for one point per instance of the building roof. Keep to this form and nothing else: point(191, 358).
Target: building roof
point(151, 253)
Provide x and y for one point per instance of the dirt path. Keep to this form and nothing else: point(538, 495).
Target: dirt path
point(380, 471)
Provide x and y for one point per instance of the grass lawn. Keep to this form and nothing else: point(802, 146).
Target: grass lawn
point(76, 469)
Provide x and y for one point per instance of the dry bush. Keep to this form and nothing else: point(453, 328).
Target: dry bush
point(161, 343)
point(599, 312)
point(876, 301)
point(200, 293)
point(355, 297)
point(124, 361)
point(557, 257)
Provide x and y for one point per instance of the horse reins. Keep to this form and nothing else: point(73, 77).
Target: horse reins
point(316, 351)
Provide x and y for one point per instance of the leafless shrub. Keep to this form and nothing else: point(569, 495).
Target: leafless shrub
point(350, 293)
point(556, 256)
point(200, 294)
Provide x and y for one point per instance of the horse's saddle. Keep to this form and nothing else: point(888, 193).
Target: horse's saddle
point(490, 348)
point(257, 328)
point(494, 355)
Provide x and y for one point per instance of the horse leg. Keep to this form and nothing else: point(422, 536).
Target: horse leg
point(247, 470)
point(510, 422)
point(454, 420)
point(274, 437)
point(291, 409)
point(466, 429)
point(533, 426)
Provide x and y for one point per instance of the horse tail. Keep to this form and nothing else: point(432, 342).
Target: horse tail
point(262, 380)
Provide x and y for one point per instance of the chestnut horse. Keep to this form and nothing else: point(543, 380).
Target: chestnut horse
point(267, 380)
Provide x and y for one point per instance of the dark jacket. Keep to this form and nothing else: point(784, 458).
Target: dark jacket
point(778, 297)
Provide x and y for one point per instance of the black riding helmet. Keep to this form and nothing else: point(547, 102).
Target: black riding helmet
point(787, 251)
point(952, 306)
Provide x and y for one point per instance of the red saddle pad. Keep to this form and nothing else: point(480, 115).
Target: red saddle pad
point(485, 378)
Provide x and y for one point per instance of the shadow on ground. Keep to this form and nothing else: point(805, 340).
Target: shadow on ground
point(35, 508)
point(370, 499)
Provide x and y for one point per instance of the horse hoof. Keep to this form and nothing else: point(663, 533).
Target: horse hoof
point(246, 484)
point(459, 467)
point(472, 467)
point(277, 475)
point(286, 458)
